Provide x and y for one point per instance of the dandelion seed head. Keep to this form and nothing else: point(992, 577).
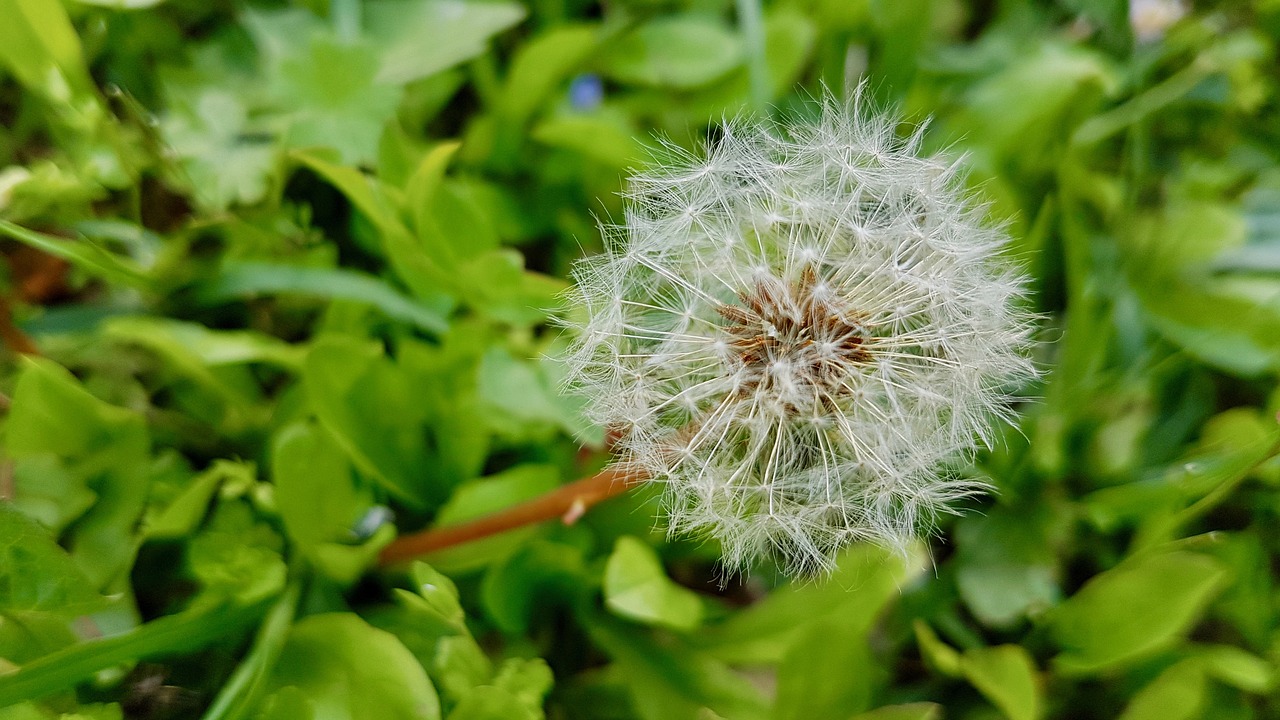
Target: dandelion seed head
point(800, 333)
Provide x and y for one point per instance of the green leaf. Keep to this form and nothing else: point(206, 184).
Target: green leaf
point(1007, 676)
point(423, 262)
point(1133, 610)
point(348, 669)
point(910, 711)
point(940, 656)
point(49, 491)
point(240, 279)
point(827, 672)
point(602, 137)
point(52, 414)
point(245, 687)
point(517, 589)
point(318, 499)
point(237, 555)
point(212, 138)
point(40, 46)
point(672, 681)
point(518, 399)
point(1006, 568)
point(676, 51)
point(38, 576)
point(425, 183)
point(369, 196)
point(184, 514)
point(203, 345)
point(1238, 668)
point(123, 4)
point(175, 634)
point(423, 37)
point(540, 66)
point(83, 254)
point(636, 587)
point(324, 88)
point(516, 693)
point(1176, 694)
point(765, 631)
point(366, 403)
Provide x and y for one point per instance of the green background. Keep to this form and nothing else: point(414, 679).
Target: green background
point(284, 277)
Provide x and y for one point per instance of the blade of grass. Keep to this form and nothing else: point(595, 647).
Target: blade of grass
point(181, 633)
point(83, 254)
point(240, 279)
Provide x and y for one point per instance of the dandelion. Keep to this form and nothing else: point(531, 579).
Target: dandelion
point(801, 332)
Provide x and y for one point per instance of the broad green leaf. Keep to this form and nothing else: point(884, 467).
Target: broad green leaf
point(676, 51)
point(237, 555)
point(541, 65)
point(940, 656)
point(1017, 114)
point(221, 160)
point(1191, 314)
point(518, 399)
point(516, 693)
point(487, 702)
point(318, 499)
point(1133, 610)
point(423, 37)
point(1238, 668)
point(52, 414)
point(212, 359)
point(38, 576)
point(827, 672)
point(602, 137)
point(515, 590)
point(350, 670)
point(324, 89)
point(1006, 568)
point(240, 279)
point(184, 514)
point(370, 197)
point(1177, 694)
point(671, 681)
point(636, 587)
point(424, 184)
point(50, 491)
point(1007, 676)
point(366, 403)
point(424, 261)
point(764, 632)
point(498, 285)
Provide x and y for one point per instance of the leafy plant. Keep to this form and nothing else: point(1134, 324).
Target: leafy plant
point(280, 295)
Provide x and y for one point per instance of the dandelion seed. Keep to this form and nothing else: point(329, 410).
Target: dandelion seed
point(801, 334)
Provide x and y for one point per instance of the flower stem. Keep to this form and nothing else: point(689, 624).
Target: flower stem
point(567, 502)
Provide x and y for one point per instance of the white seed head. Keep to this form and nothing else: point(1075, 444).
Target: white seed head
point(801, 332)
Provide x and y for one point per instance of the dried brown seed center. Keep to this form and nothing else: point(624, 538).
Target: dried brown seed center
point(797, 333)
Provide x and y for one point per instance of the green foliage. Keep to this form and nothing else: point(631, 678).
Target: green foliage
point(293, 269)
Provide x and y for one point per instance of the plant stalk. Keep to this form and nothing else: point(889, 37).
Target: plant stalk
point(567, 502)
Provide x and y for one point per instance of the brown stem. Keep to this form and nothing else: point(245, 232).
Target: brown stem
point(567, 502)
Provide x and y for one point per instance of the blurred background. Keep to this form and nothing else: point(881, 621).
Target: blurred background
point(280, 282)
